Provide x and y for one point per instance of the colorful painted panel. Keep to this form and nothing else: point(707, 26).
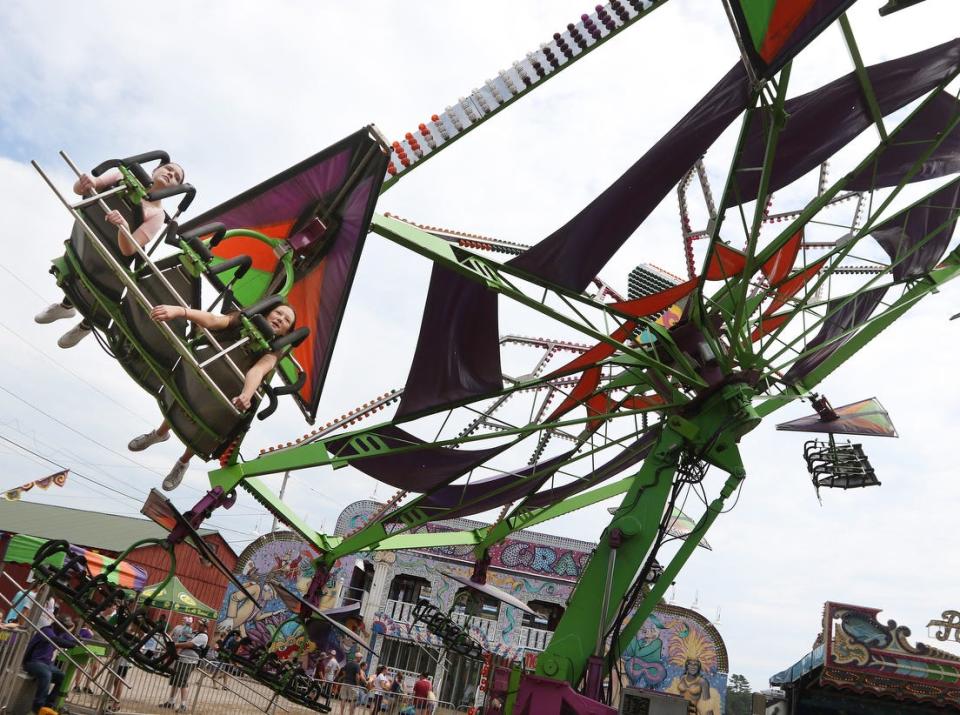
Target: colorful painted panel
point(773, 31)
point(866, 417)
point(678, 651)
point(284, 557)
point(867, 656)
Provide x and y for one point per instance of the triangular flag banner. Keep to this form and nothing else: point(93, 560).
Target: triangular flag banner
point(58, 479)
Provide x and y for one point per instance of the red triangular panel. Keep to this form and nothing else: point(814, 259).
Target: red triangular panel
point(650, 304)
point(588, 382)
point(725, 263)
point(769, 324)
point(598, 352)
point(779, 265)
point(789, 287)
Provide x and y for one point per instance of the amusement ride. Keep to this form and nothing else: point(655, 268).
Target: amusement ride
point(657, 393)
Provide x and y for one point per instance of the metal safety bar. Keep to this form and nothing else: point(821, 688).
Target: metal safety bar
point(60, 651)
point(131, 286)
point(52, 617)
point(157, 272)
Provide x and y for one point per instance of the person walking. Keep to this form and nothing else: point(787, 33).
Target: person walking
point(189, 653)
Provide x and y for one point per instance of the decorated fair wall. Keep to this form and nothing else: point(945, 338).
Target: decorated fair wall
point(679, 651)
point(676, 650)
point(283, 557)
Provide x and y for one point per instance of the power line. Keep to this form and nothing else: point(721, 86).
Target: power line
point(73, 374)
point(137, 500)
point(78, 432)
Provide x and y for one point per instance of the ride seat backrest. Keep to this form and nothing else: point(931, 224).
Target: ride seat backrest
point(96, 268)
point(186, 288)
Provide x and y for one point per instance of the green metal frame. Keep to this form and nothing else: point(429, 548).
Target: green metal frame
point(696, 422)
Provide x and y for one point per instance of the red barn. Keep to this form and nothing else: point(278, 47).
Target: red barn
point(110, 534)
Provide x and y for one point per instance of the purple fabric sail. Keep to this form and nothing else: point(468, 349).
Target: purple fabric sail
point(912, 142)
point(823, 121)
point(420, 470)
point(574, 254)
point(321, 208)
point(458, 351)
point(632, 455)
point(929, 222)
point(484, 494)
point(854, 313)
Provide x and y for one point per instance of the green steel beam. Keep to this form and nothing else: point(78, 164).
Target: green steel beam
point(711, 435)
point(950, 269)
point(659, 589)
point(778, 120)
point(862, 76)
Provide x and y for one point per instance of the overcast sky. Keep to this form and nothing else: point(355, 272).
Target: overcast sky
point(238, 91)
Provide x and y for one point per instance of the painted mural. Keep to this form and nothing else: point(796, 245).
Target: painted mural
point(511, 554)
point(501, 636)
point(678, 651)
point(284, 557)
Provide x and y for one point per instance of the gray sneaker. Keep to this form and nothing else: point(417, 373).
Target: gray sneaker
point(176, 476)
point(73, 336)
point(140, 443)
point(57, 311)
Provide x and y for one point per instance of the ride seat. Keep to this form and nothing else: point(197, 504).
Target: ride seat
point(207, 407)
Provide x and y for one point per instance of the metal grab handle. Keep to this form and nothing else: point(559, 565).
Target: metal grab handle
point(166, 192)
point(294, 338)
point(241, 263)
point(216, 228)
point(273, 392)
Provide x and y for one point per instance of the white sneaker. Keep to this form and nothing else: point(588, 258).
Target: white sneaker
point(73, 336)
point(57, 311)
point(176, 476)
point(138, 444)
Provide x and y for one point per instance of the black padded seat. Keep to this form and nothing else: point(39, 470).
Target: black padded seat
point(95, 267)
point(207, 406)
point(145, 330)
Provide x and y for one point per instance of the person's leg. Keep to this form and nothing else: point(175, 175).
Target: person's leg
point(56, 680)
point(73, 336)
point(147, 439)
point(177, 473)
point(56, 311)
point(40, 673)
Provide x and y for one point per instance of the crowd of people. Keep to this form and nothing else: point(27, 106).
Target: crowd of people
point(347, 682)
point(381, 692)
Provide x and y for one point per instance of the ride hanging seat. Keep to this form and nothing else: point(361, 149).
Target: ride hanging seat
point(208, 425)
point(148, 354)
point(90, 270)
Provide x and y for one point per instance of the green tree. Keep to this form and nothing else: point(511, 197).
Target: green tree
point(738, 695)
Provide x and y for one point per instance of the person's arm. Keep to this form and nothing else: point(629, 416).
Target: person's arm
point(151, 225)
point(63, 641)
point(88, 183)
point(253, 378)
point(210, 321)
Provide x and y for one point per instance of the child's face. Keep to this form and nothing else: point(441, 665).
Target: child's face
point(280, 319)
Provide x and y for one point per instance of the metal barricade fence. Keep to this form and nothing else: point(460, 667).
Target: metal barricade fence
point(217, 688)
point(13, 644)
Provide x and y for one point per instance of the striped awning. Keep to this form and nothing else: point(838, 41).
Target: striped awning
point(22, 549)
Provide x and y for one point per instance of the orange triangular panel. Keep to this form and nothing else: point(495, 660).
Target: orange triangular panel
point(779, 265)
point(789, 288)
point(769, 324)
point(725, 262)
point(650, 304)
